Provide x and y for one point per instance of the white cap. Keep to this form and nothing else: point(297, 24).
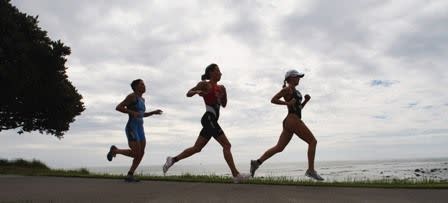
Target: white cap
point(293, 73)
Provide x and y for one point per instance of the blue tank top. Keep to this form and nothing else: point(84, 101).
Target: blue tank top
point(138, 106)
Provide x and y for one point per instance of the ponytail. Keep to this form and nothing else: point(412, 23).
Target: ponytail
point(284, 83)
point(204, 77)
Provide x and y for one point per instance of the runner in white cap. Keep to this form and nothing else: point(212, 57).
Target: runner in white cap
point(292, 124)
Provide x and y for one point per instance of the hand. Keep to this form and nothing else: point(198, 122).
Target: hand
point(307, 97)
point(157, 112)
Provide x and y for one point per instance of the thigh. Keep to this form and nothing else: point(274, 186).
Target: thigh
point(222, 140)
point(201, 142)
point(140, 133)
point(301, 130)
point(134, 145)
point(284, 138)
point(142, 145)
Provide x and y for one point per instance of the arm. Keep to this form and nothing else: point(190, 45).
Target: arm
point(199, 89)
point(307, 98)
point(223, 96)
point(123, 106)
point(157, 112)
point(276, 99)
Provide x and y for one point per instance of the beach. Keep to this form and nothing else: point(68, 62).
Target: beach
point(56, 189)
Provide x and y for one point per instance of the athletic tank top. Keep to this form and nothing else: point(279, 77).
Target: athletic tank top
point(138, 106)
point(297, 107)
point(212, 103)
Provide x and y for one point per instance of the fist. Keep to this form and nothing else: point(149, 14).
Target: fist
point(307, 97)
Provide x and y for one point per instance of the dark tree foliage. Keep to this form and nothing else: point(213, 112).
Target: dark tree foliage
point(35, 92)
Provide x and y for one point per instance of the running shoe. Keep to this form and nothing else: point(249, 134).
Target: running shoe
point(313, 174)
point(169, 162)
point(110, 155)
point(241, 178)
point(131, 179)
point(254, 164)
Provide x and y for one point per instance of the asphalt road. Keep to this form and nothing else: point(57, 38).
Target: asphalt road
point(55, 189)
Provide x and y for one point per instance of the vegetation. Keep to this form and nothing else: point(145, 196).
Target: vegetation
point(37, 168)
point(36, 92)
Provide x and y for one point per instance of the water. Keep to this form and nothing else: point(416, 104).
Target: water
point(417, 169)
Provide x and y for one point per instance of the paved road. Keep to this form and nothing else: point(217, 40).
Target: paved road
point(55, 189)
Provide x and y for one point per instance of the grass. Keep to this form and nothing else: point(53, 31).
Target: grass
point(37, 168)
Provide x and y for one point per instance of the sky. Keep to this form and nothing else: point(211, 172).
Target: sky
point(375, 71)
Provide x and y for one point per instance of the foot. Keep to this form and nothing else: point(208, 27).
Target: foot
point(169, 162)
point(254, 164)
point(110, 154)
point(313, 174)
point(241, 177)
point(131, 179)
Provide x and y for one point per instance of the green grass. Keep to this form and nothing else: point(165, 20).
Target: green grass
point(37, 168)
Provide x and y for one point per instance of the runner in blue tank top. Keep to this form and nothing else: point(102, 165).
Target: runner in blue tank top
point(134, 106)
point(292, 124)
point(214, 96)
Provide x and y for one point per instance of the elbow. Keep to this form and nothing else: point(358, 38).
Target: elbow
point(273, 101)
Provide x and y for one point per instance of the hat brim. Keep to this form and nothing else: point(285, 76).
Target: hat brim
point(300, 76)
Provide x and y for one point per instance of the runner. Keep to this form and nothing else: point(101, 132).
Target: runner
point(214, 96)
point(292, 124)
point(134, 106)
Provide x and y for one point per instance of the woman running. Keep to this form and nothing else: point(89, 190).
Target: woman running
point(292, 124)
point(134, 106)
point(214, 96)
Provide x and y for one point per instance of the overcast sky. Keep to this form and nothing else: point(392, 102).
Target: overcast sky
point(376, 72)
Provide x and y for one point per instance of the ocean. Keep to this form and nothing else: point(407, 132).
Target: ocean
point(403, 169)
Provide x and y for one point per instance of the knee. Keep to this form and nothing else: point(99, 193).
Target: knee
point(279, 148)
point(197, 149)
point(313, 142)
point(226, 147)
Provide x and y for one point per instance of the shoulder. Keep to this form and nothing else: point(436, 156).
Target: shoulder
point(131, 97)
point(202, 84)
point(286, 91)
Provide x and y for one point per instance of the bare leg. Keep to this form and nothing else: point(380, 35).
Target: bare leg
point(283, 140)
point(305, 134)
point(138, 148)
point(125, 152)
point(197, 147)
point(222, 139)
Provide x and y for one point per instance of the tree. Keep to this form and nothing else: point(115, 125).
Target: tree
point(36, 94)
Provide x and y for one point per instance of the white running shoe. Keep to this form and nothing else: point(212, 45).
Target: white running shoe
point(253, 167)
point(313, 174)
point(169, 162)
point(241, 178)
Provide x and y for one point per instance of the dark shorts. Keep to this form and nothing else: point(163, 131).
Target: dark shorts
point(210, 126)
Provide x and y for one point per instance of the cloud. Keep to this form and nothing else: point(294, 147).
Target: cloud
point(350, 52)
